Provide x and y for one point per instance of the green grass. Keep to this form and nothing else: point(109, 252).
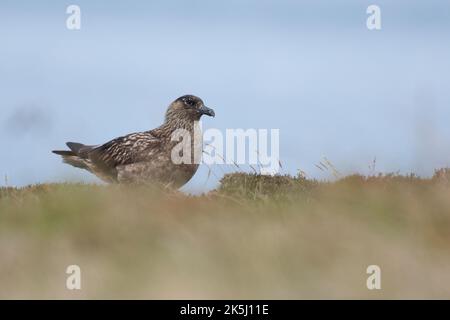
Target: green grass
point(254, 237)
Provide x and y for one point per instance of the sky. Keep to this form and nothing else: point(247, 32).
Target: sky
point(312, 69)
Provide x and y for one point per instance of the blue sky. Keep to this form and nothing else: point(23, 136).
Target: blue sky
point(310, 68)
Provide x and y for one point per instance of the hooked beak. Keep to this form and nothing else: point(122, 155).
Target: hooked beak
point(208, 111)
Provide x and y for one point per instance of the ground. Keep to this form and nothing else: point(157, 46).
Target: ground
point(255, 237)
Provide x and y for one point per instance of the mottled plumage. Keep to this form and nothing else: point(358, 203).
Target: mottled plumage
point(144, 157)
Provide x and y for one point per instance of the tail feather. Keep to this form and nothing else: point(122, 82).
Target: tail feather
point(76, 162)
point(64, 153)
point(75, 147)
point(74, 156)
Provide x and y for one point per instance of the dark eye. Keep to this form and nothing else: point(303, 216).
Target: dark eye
point(189, 102)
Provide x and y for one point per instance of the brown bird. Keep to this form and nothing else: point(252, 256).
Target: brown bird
point(146, 157)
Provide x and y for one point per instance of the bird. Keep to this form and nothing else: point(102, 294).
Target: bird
point(147, 157)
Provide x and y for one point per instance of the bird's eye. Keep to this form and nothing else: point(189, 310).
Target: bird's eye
point(189, 102)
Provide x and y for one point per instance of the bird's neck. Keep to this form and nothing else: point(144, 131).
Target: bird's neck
point(171, 125)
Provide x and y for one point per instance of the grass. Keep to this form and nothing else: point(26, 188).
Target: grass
point(255, 237)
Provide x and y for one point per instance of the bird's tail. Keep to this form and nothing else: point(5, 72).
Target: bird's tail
point(74, 156)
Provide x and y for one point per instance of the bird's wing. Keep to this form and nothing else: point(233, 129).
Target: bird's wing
point(128, 149)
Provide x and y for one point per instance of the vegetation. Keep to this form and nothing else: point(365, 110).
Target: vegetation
point(254, 237)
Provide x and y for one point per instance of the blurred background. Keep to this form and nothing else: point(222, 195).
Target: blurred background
point(310, 68)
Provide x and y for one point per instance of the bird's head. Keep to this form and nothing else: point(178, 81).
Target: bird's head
point(188, 107)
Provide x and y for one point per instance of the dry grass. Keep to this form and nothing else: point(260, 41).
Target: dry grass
point(254, 237)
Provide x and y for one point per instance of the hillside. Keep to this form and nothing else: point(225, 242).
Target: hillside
point(254, 237)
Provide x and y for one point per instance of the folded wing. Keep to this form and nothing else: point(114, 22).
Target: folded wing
point(103, 160)
point(132, 148)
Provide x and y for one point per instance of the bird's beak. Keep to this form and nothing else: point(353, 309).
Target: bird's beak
point(208, 111)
